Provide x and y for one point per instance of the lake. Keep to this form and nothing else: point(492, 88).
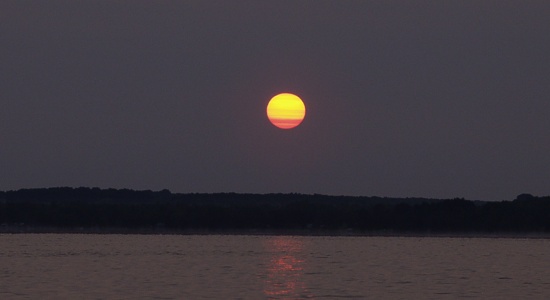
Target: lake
point(88, 266)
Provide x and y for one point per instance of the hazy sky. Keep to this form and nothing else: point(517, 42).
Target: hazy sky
point(404, 98)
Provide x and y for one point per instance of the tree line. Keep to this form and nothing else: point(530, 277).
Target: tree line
point(95, 209)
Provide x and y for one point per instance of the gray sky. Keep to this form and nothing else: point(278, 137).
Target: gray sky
point(404, 98)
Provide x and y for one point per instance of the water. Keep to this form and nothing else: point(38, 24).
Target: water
point(71, 266)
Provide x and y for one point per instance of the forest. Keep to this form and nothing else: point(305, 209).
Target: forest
point(83, 209)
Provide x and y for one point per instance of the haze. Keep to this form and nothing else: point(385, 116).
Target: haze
point(405, 98)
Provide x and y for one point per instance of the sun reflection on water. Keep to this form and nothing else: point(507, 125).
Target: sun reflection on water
point(285, 269)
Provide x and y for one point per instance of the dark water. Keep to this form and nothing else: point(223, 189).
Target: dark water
point(64, 266)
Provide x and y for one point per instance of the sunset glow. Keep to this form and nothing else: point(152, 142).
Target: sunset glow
point(286, 110)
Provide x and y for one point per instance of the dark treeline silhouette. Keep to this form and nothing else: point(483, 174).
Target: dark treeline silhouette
point(95, 209)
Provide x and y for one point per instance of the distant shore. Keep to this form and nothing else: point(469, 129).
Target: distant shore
point(111, 211)
point(262, 232)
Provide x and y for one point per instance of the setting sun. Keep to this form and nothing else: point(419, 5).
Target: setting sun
point(286, 110)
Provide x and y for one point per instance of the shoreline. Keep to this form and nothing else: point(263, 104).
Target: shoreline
point(271, 232)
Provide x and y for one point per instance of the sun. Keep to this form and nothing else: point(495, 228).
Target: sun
point(286, 110)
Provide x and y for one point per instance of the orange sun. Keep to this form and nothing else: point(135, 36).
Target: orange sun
point(286, 111)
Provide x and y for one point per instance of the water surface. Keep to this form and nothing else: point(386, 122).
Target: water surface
point(86, 266)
